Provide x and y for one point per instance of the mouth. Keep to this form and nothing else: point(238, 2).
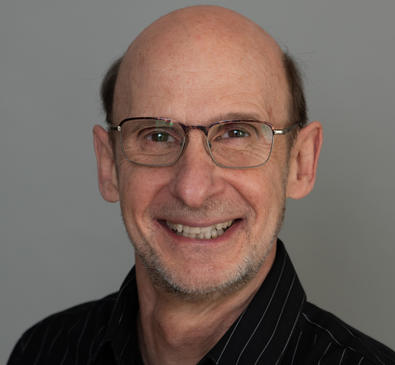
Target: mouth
point(203, 233)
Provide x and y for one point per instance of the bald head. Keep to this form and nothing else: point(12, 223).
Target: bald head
point(210, 30)
point(200, 56)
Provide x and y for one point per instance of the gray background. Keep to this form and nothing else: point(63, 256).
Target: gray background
point(62, 244)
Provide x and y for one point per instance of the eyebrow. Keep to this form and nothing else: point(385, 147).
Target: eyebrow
point(236, 116)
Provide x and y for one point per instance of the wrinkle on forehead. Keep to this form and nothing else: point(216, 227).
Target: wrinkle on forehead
point(200, 44)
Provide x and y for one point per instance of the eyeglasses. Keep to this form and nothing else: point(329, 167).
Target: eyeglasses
point(237, 144)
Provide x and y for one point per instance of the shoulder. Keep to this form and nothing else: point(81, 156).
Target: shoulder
point(78, 327)
point(336, 342)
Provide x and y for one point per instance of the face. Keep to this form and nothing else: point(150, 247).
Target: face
point(196, 227)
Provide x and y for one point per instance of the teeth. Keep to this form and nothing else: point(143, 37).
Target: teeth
point(221, 225)
point(213, 231)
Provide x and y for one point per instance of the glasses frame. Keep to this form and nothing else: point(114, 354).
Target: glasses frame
point(205, 130)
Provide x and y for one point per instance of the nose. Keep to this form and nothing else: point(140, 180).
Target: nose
point(197, 179)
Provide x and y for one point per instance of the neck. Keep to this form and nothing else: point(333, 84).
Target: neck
point(173, 330)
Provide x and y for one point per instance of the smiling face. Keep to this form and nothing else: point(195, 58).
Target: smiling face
point(197, 227)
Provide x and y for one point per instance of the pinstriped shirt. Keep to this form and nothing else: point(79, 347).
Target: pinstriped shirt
point(278, 327)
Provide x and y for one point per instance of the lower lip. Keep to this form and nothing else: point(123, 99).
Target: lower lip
point(182, 239)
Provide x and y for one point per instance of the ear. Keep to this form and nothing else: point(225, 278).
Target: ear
point(106, 169)
point(304, 160)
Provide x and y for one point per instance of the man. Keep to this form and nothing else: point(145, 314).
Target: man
point(207, 138)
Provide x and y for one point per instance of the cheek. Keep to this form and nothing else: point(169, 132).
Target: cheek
point(135, 194)
point(263, 185)
point(139, 188)
point(264, 190)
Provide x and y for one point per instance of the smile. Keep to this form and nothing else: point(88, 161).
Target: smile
point(208, 232)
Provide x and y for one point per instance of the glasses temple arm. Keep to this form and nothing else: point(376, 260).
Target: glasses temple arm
point(286, 130)
point(115, 128)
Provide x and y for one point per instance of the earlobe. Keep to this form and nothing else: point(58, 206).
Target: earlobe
point(304, 160)
point(106, 169)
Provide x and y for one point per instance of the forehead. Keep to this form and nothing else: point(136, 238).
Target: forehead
point(193, 71)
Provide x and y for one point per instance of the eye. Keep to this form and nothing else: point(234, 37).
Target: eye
point(230, 132)
point(159, 136)
point(235, 133)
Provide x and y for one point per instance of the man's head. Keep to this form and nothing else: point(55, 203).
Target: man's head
point(200, 65)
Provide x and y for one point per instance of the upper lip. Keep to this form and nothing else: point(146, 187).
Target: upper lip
point(197, 223)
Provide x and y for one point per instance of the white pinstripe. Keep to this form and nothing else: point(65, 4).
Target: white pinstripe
point(121, 316)
point(227, 342)
point(94, 341)
point(292, 330)
point(124, 346)
point(64, 356)
point(81, 334)
point(325, 352)
point(343, 353)
point(296, 347)
point(278, 320)
point(55, 338)
point(264, 313)
point(360, 361)
point(73, 326)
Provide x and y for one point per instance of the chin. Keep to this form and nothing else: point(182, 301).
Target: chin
point(196, 282)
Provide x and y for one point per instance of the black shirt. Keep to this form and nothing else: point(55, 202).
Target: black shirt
point(278, 327)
